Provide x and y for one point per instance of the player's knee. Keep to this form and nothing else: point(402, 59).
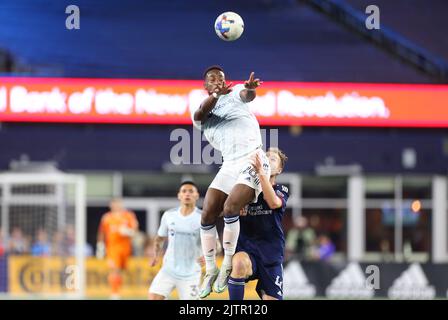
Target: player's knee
point(238, 269)
point(239, 266)
point(267, 297)
point(153, 296)
point(208, 217)
point(231, 209)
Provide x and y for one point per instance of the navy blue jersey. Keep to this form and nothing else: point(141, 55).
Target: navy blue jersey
point(261, 231)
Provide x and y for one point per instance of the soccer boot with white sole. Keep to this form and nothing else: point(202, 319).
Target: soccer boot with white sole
point(207, 283)
point(223, 277)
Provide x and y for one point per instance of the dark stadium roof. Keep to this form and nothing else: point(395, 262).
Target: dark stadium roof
point(283, 40)
point(421, 21)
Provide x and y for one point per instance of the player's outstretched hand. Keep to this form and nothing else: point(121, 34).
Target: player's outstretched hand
point(223, 89)
point(252, 83)
point(256, 162)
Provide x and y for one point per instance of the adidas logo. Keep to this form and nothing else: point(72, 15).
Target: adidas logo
point(350, 284)
point(412, 284)
point(295, 282)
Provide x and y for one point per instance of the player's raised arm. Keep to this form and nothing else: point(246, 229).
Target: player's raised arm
point(248, 94)
point(216, 86)
point(209, 103)
point(269, 195)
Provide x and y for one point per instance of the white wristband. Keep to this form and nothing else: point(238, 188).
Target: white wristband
point(215, 95)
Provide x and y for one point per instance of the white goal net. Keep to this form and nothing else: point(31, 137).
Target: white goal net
point(42, 235)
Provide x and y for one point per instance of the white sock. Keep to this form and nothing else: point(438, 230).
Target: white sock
point(208, 243)
point(230, 239)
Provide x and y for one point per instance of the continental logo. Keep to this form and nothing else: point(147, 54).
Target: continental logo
point(35, 276)
point(57, 275)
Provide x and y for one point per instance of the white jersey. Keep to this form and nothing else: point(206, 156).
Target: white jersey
point(184, 243)
point(231, 127)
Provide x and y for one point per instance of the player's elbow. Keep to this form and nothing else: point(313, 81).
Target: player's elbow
point(274, 206)
point(196, 116)
point(274, 203)
point(250, 98)
point(247, 99)
point(247, 96)
point(199, 115)
point(159, 240)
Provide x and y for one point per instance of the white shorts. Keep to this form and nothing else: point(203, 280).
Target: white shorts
point(240, 171)
point(187, 289)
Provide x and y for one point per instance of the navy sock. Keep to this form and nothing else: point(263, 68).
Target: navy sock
point(236, 288)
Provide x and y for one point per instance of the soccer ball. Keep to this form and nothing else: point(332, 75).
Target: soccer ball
point(229, 26)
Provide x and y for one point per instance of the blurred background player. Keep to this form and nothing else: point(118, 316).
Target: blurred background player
point(261, 243)
point(181, 267)
point(114, 240)
point(233, 129)
point(300, 240)
point(325, 249)
point(41, 247)
point(18, 243)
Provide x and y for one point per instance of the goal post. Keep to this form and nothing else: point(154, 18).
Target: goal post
point(43, 235)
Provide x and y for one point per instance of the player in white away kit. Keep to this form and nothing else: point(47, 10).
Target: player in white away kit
point(231, 128)
point(181, 268)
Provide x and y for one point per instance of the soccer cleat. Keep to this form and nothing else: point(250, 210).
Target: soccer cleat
point(223, 277)
point(207, 283)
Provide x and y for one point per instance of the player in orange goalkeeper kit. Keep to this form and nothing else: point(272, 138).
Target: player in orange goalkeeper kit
point(117, 227)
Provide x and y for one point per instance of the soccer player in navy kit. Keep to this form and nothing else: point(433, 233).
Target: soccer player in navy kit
point(261, 243)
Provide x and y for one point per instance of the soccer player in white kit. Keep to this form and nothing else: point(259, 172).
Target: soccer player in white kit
point(181, 268)
point(231, 128)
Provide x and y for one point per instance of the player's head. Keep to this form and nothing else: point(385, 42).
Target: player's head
point(213, 76)
point(277, 159)
point(116, 205)
point(188, 193)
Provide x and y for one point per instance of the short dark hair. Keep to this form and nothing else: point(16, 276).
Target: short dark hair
point(214, 67)
point(188, 182)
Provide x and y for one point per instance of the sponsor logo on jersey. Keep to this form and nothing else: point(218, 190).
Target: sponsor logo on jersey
point(257, 210)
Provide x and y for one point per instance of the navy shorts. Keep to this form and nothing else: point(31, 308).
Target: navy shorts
point(270, 278)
